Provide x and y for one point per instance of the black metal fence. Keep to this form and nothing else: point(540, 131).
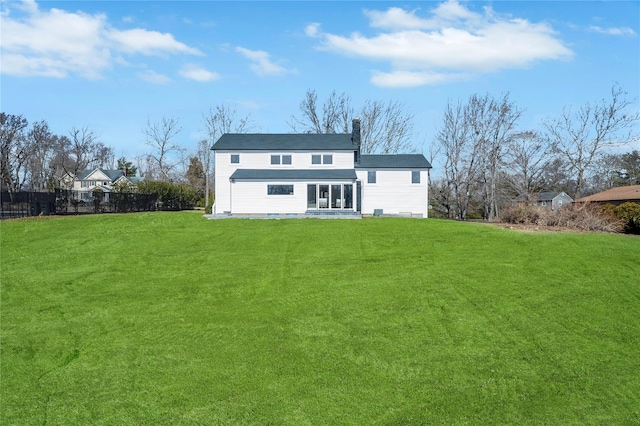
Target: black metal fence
point(60, 202)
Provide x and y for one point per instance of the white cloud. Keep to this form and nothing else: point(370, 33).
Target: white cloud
point(621, 31)
point(452, 43)
point(154, 77)
point(312, 30)
point(56, 43)
point(148, 42)
point(262, 64)
point(194, 72)
point(412, 78)
point(396, 18)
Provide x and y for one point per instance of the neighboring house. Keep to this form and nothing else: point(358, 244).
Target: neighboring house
point(315, 174)
point(87, 181)
point(615, 196)
point(549, 200)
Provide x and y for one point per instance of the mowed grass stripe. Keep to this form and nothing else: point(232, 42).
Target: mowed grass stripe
point(172, 319)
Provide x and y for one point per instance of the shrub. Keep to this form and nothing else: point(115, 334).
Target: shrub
point(523, 214)
point(171, 196)
point(583, 217)
point(628, 212)
point(209, 207)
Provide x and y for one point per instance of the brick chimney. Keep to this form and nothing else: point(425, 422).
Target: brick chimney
point(355, 139)
point(355, 132)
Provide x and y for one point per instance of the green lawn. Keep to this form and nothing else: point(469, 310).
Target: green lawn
point(167, 318)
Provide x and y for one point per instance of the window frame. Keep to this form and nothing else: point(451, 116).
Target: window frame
point(235, 157)
point(271, 189)
point(321, 159)
point(415, 173)
point(275, 159)
point(372, 176)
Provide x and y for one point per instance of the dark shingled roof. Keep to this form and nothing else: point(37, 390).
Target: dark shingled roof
point(278, 174)
point(393, 161)
point(284, 142)
point(547, 196)
point(540, 196)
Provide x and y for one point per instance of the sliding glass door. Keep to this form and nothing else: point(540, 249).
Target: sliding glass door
point(312, 196)
point(334, 197)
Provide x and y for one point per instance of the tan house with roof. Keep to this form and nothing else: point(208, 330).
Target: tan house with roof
point(615, 196)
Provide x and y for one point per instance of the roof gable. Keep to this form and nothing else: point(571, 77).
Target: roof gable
point(284, 142)
point(99, 174)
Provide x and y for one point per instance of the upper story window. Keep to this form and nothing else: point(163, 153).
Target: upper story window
point(235, 158)
point(281, 159)
point(371, 176)
point(84, 184)
point(415, 176)
point(322, 159)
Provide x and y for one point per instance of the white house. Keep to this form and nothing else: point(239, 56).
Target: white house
point(87, 181)
point(315, 174)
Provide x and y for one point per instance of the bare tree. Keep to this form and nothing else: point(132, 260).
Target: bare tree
point(493, 121)
point(525, 163)
point(220, 120)
point(556, 176)
point(461, 152)
point(386, 128)
point(335, 116)
point(441, 197)
point(42, 145)
point(81, 151)
point(13, 150)
point(582, 136)
point(472, 140)
point(159, 136)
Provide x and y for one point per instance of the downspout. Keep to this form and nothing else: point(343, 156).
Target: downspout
point(427, 189)
point(230, 196)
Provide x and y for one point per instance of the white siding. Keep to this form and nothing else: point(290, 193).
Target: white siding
point(250, 197)
point(262, 160)
point(394, 193)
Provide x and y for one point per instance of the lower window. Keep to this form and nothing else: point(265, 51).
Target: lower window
point(279, 189)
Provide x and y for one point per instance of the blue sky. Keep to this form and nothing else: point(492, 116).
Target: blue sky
point(112, 66)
